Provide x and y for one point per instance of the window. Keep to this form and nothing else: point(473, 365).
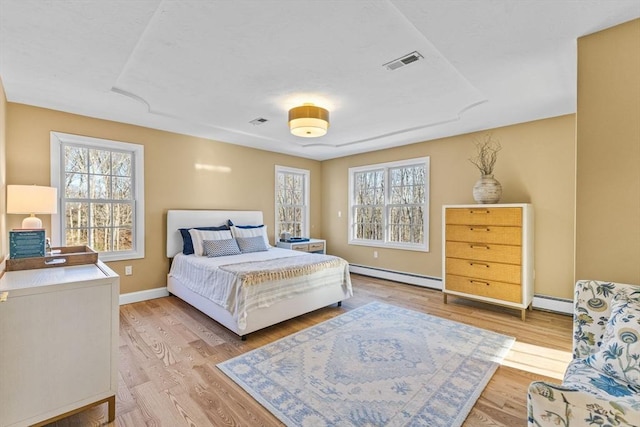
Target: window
point(292, 201)
point(389, 205)
point(101, 193)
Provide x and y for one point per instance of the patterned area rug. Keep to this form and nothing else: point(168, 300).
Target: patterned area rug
point(377, 365)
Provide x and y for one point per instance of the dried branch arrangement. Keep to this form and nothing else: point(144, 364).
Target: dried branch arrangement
point(487, 153)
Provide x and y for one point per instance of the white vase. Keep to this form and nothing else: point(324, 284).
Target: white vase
point(487, 190)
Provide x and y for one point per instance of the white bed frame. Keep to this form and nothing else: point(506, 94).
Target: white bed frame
point(256, 319)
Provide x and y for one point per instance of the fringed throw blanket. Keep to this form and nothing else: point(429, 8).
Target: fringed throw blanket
point(264, 280)
point(253, 273)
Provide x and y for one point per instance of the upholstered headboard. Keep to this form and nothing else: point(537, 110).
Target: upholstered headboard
point(177, 219)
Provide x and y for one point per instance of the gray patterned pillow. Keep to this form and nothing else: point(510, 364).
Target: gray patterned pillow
point(252, 244)
point(215, 248)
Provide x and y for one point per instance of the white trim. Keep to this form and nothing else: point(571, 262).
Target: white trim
point(307, 199)
point(557, 305)
point(542, 302)
point(56, 140)
point(423, 247)
point(148, 294)
point(398, 276)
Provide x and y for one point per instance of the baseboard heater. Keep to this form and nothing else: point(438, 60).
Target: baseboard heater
point(541, 302)
point(397, 276)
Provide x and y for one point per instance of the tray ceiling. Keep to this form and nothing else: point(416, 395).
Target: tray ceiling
point(211, 68)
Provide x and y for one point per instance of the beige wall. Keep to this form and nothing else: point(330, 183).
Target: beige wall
point(3, 177)
point(244, 179)
point(608, 155)
point(536, 165)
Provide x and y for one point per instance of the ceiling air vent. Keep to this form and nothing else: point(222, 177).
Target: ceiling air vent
point(258, 121)
point(405, 60)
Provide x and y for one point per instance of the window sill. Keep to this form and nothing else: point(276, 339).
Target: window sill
point(389, 245)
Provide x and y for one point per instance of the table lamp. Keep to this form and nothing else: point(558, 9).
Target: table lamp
point(32, 199)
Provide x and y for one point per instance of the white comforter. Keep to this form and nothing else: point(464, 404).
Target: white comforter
point(204, 276)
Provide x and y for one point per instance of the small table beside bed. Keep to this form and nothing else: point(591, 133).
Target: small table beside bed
point(224, 266)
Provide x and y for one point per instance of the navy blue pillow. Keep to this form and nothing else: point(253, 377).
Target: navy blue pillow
point(244, 226)
point(187, 243)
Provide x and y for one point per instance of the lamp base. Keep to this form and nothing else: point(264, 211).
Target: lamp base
point(32, 222)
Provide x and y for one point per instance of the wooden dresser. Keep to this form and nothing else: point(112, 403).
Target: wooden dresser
point(58, 342)
point(488, 253)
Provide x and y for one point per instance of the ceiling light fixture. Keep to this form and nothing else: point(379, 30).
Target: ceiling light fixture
point(308, 121)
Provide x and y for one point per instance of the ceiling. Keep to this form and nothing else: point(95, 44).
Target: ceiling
point(209, 67)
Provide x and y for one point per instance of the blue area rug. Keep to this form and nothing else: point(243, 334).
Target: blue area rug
point(377, 365)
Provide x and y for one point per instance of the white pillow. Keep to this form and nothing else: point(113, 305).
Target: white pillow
point(251, 232)
point(199, 236)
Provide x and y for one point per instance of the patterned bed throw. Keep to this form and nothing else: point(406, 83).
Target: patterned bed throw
point(253, 273)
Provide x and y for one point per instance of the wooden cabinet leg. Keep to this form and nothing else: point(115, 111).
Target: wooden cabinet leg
point(524, 314)
point(445, 297)
point(111, 402)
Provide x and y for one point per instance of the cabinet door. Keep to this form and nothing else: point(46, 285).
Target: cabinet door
point(55, 350)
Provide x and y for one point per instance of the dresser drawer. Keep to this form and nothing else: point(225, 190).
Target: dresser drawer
point(484, 251)
point(485, 288)
point(316, 246)
point(484, 216)
point(484, 234)
point(484, 270)
point(304, 247)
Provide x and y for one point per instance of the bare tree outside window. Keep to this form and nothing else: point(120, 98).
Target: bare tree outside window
point(98, 202)
point(292, 200)
point(389, 204)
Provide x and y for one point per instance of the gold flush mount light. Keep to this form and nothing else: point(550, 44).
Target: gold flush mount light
point(308, 121)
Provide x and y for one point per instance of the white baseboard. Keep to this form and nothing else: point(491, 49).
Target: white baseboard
point(558, 305)
point(541, 302)
point(132, 297)
point(398, 276)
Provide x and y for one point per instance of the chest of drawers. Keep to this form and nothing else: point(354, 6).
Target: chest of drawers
point(58, 342)
point(488, 253)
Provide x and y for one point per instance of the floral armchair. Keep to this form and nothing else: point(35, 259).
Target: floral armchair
point(601, 386)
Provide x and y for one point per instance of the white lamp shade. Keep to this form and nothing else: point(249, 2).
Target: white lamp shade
point(32, 199)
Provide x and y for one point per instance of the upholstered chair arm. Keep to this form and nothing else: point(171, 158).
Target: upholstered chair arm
point(592, 308)
point(555, 405)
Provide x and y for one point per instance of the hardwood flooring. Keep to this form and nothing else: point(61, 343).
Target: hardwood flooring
point(169, 352)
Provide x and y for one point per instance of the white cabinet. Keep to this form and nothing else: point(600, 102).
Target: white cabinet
point(58, 342)
point(488, 253)
point(316, 246)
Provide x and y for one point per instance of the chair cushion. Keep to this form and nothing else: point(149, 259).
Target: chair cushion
point(580, 376)
point(619, 354)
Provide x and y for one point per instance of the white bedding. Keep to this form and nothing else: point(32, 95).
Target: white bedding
point(203, 276)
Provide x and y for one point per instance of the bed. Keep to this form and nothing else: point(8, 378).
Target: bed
point(257, 299)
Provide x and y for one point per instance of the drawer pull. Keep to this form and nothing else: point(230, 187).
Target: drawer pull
point(479, 229)
point(4, 296)
point(479, 246)
point(478, 282)
point(475, 211)
point(479, 264)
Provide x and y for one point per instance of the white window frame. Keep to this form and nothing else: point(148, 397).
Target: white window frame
point(385, 242)
point(307, 185)
point(57, 220)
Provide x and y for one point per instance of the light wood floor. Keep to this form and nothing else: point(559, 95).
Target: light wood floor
point(168, 353)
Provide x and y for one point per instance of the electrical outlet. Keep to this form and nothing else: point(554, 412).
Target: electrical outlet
point(375, 254)
point(128, 270)
point(339, 214)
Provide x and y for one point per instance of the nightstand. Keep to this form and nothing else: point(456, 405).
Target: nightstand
point(316, 246)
